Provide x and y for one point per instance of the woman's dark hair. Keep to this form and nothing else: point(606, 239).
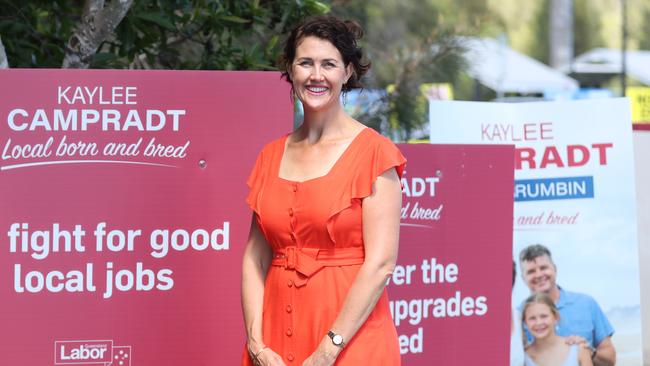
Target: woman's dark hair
point(343, 34)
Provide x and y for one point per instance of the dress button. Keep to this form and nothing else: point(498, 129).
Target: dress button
point(291, 212)
point(290, 357)
point(289, 283)
point(289, 308)
point(289, 332)
point(295, 187)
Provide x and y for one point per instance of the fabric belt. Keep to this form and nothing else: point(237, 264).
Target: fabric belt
point(307, 261)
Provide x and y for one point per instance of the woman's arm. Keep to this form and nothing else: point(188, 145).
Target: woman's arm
point(257, 258)
point(381, 216)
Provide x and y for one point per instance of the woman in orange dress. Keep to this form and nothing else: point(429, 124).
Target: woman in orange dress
point(325, 228)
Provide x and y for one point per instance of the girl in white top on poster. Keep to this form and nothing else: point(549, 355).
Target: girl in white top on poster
point(548, 349)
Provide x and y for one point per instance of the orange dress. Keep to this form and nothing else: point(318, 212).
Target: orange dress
point(314, 228)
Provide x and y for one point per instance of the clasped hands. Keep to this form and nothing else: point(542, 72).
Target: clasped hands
point(324, 355)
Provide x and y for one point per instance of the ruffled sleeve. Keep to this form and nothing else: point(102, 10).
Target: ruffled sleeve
point(255, 182)
point(383, 156)
point(378, 156)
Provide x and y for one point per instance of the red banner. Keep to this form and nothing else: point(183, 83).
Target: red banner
point(450, 293)
point(123, 212)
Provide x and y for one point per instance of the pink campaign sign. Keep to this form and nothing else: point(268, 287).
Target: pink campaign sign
point(450, 293)
point(123, 217)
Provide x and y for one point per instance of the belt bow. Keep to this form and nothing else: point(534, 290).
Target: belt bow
point(307, 261)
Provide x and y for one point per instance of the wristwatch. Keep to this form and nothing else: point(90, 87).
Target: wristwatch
point(337, 339)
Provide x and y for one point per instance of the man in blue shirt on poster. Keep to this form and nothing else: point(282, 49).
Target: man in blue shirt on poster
point(581, 319)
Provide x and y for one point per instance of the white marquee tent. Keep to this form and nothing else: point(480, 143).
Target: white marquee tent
point(607, 62)
point(505, 70)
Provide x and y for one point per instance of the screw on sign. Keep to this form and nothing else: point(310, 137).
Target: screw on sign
point(121, 356)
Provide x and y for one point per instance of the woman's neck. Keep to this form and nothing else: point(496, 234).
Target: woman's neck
point(327, 123)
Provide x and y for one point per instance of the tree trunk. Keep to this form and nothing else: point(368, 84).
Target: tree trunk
point(561, 33)
point(97, 23)
point(4, 64)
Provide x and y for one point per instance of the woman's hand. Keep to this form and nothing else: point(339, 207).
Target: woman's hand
point(325, 354)
point(266, 357)
point(262, 355)
point(319, 359)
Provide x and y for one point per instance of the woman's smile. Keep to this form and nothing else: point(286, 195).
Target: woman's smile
point(317, 89)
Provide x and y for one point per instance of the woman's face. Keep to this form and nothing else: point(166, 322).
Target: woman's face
point(318, 74)
point(540, 320)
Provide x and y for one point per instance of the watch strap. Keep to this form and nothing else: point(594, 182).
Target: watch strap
point(333, 335)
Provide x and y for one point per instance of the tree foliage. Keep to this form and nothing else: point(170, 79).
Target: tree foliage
point(35, 32)
point(412, 43)
point(172, 34)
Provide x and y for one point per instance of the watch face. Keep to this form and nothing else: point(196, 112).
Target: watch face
point(337, 339)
